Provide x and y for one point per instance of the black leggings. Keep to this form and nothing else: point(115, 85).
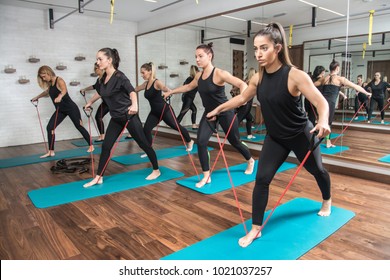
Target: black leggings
point(244, 112)
point(272, 156)
point(100, 113)
point(169, 118)
point(114, 129)
point(380, 101)
point(311, 111)
point(188, 104)
point(205, 132)
point(359, 100)
point(74, 115)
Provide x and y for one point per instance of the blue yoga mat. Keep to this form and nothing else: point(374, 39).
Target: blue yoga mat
point(258, 138)
point(82, 143)
point(293, 229)
point(161, 154)
point(220, 180)
point(379, 122)
point(385, 159)
point(70, 192)
point(332, 151)
point(24, 160)
point(359, 119)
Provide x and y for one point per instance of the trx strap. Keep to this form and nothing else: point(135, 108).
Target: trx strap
point(312, 147)
point(88, 113)
point(35, 103)
point(228, 171)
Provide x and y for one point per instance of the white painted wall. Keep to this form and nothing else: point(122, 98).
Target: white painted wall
point(25, 32)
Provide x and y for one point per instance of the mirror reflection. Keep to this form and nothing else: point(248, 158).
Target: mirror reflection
point(172, 51)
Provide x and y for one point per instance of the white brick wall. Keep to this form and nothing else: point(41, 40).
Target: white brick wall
point(25, 32)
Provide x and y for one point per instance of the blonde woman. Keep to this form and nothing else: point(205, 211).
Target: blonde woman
point(56, 88)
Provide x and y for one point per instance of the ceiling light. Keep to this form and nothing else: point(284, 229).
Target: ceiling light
point(236, 18)
point(153, 1)
point(259, 23)
point(331, 11)
point(308, 3)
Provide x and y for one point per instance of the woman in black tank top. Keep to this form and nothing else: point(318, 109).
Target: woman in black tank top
point(55, 87)
point(331, 85)
point(278, 87)
point(153, 93)
point(211, 87)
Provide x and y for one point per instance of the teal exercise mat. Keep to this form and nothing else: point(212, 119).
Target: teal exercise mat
point(332, 150)
point(171, 152)
point(385, 159)
point(293, 230)
point(83, 143)
point(74, 191)
point(258, 138)
point(220, 180)
point(25, 160)
point(356, 119)
point(379, 122)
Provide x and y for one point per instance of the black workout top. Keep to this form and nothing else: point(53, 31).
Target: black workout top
point(116, 94)
point(96, 86)
point(66, 103)
point(212, 95)
point(330, 91)
point(190, 94)
point(378, 90)
point(283, 114)
point(155, 98)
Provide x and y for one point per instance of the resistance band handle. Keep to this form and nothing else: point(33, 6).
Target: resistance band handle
point(167, 100)
point(130, 116)
point(208, 121)
point(82, 92)
point(35, 103)
point(314, 145)
point(88, 111)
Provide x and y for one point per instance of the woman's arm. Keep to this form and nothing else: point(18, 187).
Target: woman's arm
point(141, 87)
point(95, 97)
point(300, 82)
point(223, 76)
point(133, 109)
point(42, 94)
point(62, 87)
point(183, 88)
point(160, 86)
point(356, 87)
point(88, 88)
point(239, 100)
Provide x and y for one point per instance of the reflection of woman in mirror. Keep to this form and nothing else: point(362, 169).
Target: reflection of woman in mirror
point(121, 99)
point(331, 85)
point(211, 87)
point(360, 98)
point(318, 73)
point(378, 89)
point(55, 87)
point(153, 93)
point(188, 99)
point(279, 86)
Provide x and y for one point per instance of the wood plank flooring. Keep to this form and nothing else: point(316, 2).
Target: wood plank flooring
point(154, 221)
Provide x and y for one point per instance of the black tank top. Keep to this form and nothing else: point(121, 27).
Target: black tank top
point(211, 94)
point(283, 114)
point(66, 103)
point(155, 98)
point(190, 94)
point(330, 91)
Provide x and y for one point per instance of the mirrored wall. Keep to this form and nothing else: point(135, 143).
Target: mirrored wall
point(172, 50)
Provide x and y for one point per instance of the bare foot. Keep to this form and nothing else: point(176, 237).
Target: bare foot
point(143, 155)
point(252, 235)
point(154, 175)
point(96, 180)
point(190, 145)
point(48, 154)
point(329, 144)
point(206, 180)
point(91, 149)
point(250, 167)
point(325, 208)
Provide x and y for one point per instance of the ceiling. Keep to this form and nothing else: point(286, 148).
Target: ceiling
point(287, 12)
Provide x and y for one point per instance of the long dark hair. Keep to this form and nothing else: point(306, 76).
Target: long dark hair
point(317, 71)
point(113, 54)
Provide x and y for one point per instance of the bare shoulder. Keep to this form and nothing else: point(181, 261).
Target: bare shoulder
point(297, 75)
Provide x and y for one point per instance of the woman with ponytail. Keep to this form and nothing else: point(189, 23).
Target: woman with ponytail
point(279, 86)
point(153, 93)
point(331, 85)
point(211, 87)
point(121, 99)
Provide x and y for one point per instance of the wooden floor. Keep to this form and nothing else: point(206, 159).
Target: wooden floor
point(154, 221)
